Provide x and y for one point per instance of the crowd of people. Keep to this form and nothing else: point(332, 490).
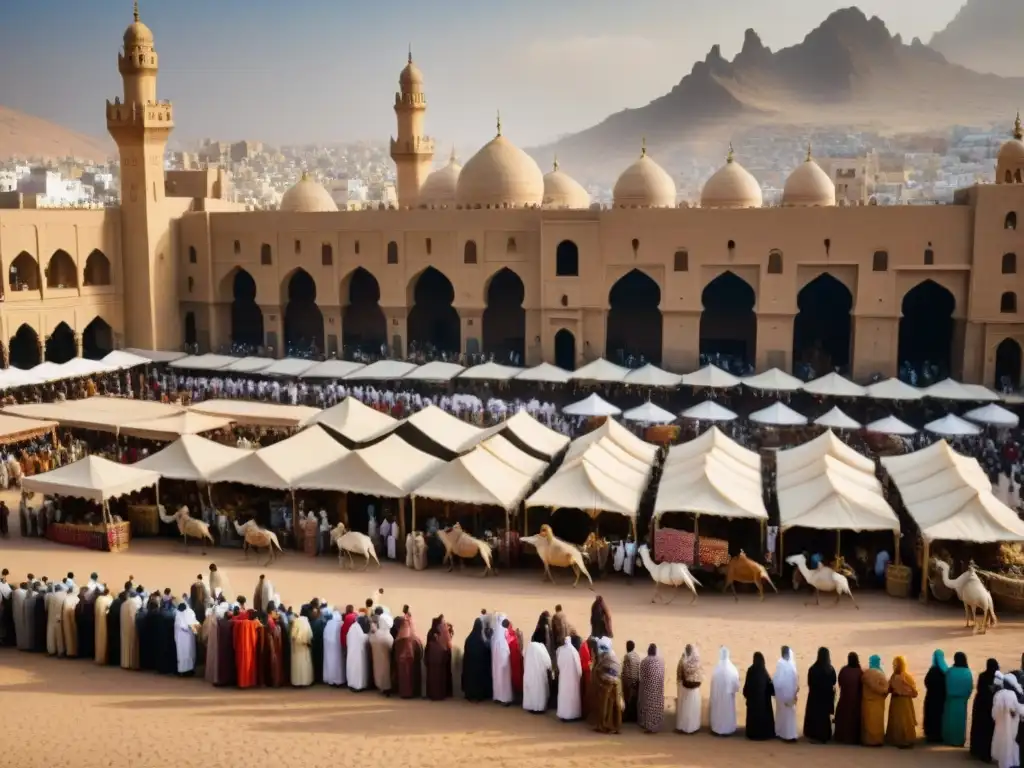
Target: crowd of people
point(263, 643)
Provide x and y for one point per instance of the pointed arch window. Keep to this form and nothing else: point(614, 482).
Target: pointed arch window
point(1008, 303)
point(775, 262)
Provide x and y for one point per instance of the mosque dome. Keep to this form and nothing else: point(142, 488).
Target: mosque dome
point(809, 186)
point(411, 79)
point(1012, 152)
point(563, 191)
point(137, 34)
point(307, 196)
point(500, 174)
point(645, 184)
point(731, 186)
point(440, 187)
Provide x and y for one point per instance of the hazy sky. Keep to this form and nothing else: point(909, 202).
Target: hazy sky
point(326, 70)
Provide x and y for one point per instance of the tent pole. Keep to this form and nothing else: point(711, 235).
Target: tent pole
point(401, 523)
point(839, 535)
point(896, 536)
point(782, 547)
point(414, 513)
point(925, 570)
point(635, 538)
point(696, 540)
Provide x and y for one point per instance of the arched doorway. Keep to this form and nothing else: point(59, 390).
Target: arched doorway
point(246, 315)
point(504, 319)
point(565, 350)
point(363, 325)
point(1008, 365)
point(633, 334)
point(24, 347)
point(433, 321)
point(926, 333)
point(191, 337)
point(728, 324)
point(303, 321)
point(60, 347)
point(97, 339)
point(97, 269)
point(821, 329)
point(61, 271)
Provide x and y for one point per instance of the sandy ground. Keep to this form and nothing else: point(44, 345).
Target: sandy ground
point(113, 718)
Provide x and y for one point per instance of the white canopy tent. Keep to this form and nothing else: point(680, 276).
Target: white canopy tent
point(600, 370)
point(168, 428)
point(947, 389)
point(711, 377)
point(103, 414)
point(713, 440)
point(434, 371)
point(356, 422)
point(531, 433)
point(582, 485)
point(952, 425)
point(652, 376)
point(981, 394)
point(77, 367)
point(649, 413)
point(93, 478)
point(834, 385)
point(390, 469)
point(490, 372)
point(279, 466)
point(157, 355)
point(709, 410)
point(773, 380)
point(993, 415)
point(618, 434)
point(592, 406)
point(778, 415)
point(382, 370)
point(208, 362)
point(449, 432)
point(289, 367)
point(122, 359)
point(47, 371)
point(829, 494)
point(825, 444)
point(331, 369)
point(192, 458)
point(890, 425)
point(519, 460)
point(545, 372)
point(12, 378)
point(836, 419)
point(258, 413)
point(893, 389)
point(249, 365)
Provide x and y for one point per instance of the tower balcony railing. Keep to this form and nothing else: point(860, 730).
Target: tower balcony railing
point(152, 113)
point(418, 145)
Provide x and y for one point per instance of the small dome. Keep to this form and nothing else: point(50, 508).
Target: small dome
point(440, 187)
point(307, 196)
point(563, 191)
point(411, 79)
point(809, 186)
point(731, 186)
point(645, 184)
point(1012, 152)
point(137, 34)
point(500, 174)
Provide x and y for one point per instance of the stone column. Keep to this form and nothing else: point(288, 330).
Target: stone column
point(5, 353)
point(875, 346)
point(774, 341)
point(332, 330)
point(592, 340)
point(680, 341)
point(273, 330)
point(78, 345)
point(534, 352)
point(471, 329)
point(397, 330)
point(42, 347)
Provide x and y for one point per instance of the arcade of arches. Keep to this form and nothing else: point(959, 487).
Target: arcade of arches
point(433, 321)
point(926, 327)
point(61, 271)
point(822, 337)
point(363, 325)
point(246, 316)
point(634, 319)
point(97, 339)
point(24, 348)
point(303, 320)
point(1008, 365)
point(728, 325)
point(60, 346)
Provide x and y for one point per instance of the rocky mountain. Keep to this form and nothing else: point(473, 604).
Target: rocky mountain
point(25, 136)
point(850, 71)
point(985, 36)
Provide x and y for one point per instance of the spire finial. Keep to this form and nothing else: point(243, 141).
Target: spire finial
point(732, 154)
point(1018, 131)
point(643, 146)
point(808, 151)
point(555, 168)
point(410, 53)
point(452, 157)
point(499, 122)
point(135, 10)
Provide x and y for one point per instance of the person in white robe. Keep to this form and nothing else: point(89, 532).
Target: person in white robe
point(786, 682)
point(392, 540)
point(689, 677)
point(129, 637)
point(68, 629)
point(357, 656)
point(1006, 711)
point(501, 663)
point(381, 642)
point(536, 677)
point(301, 636)
point(334, 664)
point(725, 684)
point(186, 625)
point(219, 580)
point(570, 671)
point(54, 602)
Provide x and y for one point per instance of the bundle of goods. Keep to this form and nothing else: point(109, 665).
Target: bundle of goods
point(673, 546)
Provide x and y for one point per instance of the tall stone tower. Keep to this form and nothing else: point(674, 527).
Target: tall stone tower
point(140, 124)
point(412, 152)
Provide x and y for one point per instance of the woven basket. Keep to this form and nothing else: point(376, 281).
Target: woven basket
point(1007, 593)
point(118, 536)
point(897, 580)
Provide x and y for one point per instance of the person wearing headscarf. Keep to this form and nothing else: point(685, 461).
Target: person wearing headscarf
point(438, 660)
point(54, 607)
point(68, 623)
point(570, 670)
point(758, 689)
point(630, 682)
point(114, 630)
point(959, 685)
point(514, 639)
point(982, 724)
point(588, 655)
point(1006, 711)
point(600, 619)
point(688, 679)
point(476, 665)
point(560, 628)
point(130, 609)
point(263, 594)
point(334, 661)
point(275, 648)
point(317, 625)
point(357, 655)
point(537, 671)
point(186, 624)
point(85, 621)
point(101, 609)
point(821, 698)
point(786, 682)
point(901, 729)
point(935, 697)
point(725, 684)
point(300, 635)
point(348, 618)
point(381, 643)
point(848, 710)
point(650, 713)
point(246, 640)
point(200, 597)
point(874, 690)
point(18, 598)
point(606, 716)
point(407, 661)
point(501, 663)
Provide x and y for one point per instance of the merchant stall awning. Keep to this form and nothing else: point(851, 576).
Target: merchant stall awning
point(192, 458)
point(93, 478)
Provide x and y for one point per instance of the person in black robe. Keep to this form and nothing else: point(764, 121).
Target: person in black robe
point(850, 694)
point(167, 651)
point(148, 628)
point(758, 692)
point(227, 674)
point(317, 623)
point(39, 621)
point(85, 623)
point(114, 631)
point(982, 724)
point(477, 684)
point(7, 637)
point(935, 698)
point(821, 698)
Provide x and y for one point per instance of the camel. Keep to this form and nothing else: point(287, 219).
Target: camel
point(187, 525)
point(257, 538)
point(458, 543)
point(353, 542)
point(553, 551)
point(823, 579)
point(973, 593)
point(669, 574)
point(743, 570)
point(838, 565)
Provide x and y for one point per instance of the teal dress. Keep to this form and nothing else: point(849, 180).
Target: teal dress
point(959, 686)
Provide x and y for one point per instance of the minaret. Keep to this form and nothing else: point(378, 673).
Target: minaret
point(412, 152)
point(140, 124)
